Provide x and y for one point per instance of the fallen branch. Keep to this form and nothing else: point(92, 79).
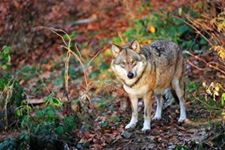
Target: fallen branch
point(91, 19)
point(35, 101)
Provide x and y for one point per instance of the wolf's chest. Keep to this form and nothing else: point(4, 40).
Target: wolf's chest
point(139, 92)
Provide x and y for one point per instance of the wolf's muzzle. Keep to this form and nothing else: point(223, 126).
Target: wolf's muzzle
point(130, 75)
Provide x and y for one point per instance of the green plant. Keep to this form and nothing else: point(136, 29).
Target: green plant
point(179, 147)
point(191, 86)
point(158, 26)
point(27, 72)
point(50, 116)
point(4, 66)
point(11, 93)
point(23, 109)
point(5, 57)
point(8, 144)
point(6, 76)
point(53, 101)
point(45, 124)
point(223, 99)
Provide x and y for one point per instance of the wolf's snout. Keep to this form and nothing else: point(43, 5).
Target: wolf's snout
point(130, 75)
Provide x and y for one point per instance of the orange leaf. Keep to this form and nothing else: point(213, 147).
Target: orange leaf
point(151, 29)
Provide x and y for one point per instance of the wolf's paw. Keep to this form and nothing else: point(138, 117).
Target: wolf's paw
point(146, 126)
point(146, 129)
point(182, 119)
point(156, 117)
point(130, 125)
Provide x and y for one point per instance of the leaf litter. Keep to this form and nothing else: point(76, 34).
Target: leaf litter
point(105, 130)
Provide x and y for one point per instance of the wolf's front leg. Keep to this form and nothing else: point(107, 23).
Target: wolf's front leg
point(147, 112)
point(134, 117)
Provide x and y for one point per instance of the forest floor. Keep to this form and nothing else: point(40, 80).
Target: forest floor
point(38, 60)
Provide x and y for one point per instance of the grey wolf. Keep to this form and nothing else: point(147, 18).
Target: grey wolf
point(148, 70)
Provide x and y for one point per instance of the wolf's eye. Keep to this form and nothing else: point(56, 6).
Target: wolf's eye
point(122, 65)
point(134, 63)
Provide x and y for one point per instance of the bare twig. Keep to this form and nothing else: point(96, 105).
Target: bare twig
point(195, 66)
point(66, 74)
point(121, 38)
point(78, 51)
point(93, 58)
point(77, 55)
point(204, 61)
point(56, 32)
point(67, 46)
point(206, 104)
point(197, 31)
point(5, 97)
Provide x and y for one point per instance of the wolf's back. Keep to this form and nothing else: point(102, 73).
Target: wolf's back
point(162, 53)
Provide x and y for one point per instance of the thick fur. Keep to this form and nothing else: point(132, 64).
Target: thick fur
point(152, 69)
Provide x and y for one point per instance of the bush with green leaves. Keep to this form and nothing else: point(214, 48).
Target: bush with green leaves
point(165, 26)
point(41, 127)
point(45, 125)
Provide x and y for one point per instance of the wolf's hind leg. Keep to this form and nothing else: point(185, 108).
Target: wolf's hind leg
point(177, 86)
point(158, 112)
point(134, 117)
point(167, 98)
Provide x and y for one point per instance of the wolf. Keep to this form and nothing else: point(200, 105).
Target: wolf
point(153, 69)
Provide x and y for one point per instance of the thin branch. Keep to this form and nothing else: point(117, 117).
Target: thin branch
point(208, 64)
point(66, 74)
point(55, 31)
point(197, 31)
point(195, 66)
point(8, 90)
point(78, 51)
point(81, 63)
point(93, 58)
point(67, 46)
point(207, 105)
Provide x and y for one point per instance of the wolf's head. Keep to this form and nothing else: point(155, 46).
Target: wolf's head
point(128, 64)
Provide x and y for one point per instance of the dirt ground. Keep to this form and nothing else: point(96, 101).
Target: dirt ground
point(96, 21)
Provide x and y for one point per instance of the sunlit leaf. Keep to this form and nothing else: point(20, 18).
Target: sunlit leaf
point(223, 99)
point(151, 29)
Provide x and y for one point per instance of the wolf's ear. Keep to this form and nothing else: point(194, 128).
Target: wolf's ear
point(135, 46)
point(115, 49)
